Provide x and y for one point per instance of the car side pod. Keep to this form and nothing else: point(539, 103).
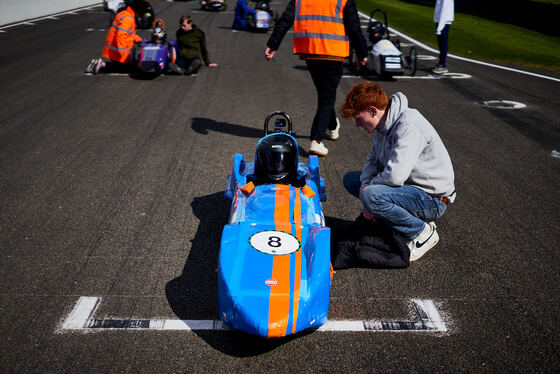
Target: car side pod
point(274, 271)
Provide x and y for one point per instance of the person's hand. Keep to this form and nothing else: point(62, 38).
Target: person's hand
point(361, 62)
point(269, 53)
point(363, 186)
point(368, 216)
point(213, 65)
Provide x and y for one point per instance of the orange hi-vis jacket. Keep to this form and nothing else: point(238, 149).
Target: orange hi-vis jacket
point(121, 37)
point(319, 28)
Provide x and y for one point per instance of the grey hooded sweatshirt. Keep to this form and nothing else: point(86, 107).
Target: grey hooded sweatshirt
point(409, 151)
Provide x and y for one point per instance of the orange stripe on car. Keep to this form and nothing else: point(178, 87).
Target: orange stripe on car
point(297, 272)
point(279, 305)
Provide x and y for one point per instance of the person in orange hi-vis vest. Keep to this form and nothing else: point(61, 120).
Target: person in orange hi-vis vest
point(323, 32)
point(119, 42)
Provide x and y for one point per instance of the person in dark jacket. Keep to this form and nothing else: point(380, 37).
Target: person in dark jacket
point(192, 47)
point(321, 38)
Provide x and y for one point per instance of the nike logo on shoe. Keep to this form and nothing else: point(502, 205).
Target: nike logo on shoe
point(420, 244)
point(418, 249)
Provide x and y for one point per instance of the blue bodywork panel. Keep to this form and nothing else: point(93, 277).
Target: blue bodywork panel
point(274, 272)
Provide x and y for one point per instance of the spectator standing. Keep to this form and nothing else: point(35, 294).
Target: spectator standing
point(443, 17)
point(323, 30)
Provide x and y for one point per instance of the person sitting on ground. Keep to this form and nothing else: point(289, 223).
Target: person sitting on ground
point(407, 180)
point(192, 46)
point(242, 15)
point(119, 42)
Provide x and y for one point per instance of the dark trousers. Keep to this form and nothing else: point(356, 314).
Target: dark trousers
point(326, 75)
point(117, 67)
point(442, 45)
point(192, 63)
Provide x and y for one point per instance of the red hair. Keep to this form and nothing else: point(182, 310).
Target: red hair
point(361, 97)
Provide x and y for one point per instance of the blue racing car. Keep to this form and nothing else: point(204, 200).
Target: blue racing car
point(274, 271)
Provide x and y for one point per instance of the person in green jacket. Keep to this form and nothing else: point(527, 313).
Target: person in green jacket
point(192, 47)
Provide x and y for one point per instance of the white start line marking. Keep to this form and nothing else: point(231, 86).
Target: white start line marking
point(555, 154)
point(81, 318)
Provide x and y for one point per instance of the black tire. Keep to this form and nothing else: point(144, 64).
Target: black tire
point(411, 60)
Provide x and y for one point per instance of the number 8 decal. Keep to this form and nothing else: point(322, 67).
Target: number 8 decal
point(274, 242)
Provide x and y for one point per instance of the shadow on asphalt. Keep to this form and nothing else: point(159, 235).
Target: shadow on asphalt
point(194, 294)
point(206, 125)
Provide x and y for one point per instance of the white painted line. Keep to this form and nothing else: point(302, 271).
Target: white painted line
point(555, 153)
point(502, 104)
point(81, 318)
point(112, 74)
point(82, 312)
point(428, 48)
point(350, 325)
point(426, 57)
point(29, 22)
point(429, 315)
point(431, 76)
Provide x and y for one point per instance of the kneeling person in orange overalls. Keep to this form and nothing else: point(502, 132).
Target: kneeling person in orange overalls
point(119, 42)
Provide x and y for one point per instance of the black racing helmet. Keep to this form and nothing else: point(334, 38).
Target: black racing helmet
point(276, 159)
point(376, 31)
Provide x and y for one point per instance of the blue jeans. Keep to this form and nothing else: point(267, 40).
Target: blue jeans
point(404, 208)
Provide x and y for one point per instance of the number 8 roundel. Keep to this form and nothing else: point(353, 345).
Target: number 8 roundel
point(274, 242)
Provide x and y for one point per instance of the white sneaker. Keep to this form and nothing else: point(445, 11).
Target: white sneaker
point(91, 67)
point(439, 69)
point(425, 241)
point(318, 148)
point(95, 66)
point(334, 134)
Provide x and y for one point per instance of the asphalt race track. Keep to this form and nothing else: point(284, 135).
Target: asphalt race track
point(112, 188)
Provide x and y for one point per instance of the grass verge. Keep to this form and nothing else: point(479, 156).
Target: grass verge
point(472, 36)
